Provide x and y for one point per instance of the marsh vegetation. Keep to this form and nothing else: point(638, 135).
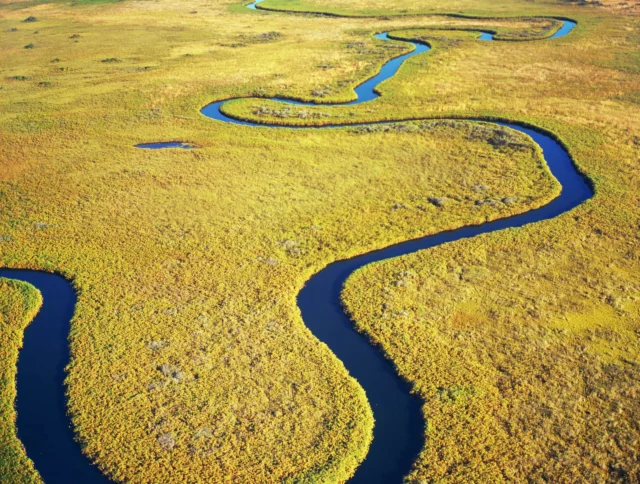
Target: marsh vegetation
point(189, 355)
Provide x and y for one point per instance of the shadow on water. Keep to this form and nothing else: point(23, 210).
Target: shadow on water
point(45, 428)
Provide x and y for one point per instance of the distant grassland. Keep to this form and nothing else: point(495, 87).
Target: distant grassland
point(19, 303)
point(456, 7)
point(408, 7)
point(190, 360)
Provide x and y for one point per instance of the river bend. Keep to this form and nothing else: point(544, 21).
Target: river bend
point(45, 428)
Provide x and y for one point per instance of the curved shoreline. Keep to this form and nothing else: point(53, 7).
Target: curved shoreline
point(398, 436)
point(399, 424)
point(365, 91)
point(566, 20)
point(44, 427)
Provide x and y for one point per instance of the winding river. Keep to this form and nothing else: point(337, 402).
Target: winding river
point(46, 431)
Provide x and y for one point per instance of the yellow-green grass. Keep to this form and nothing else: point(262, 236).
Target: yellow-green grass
point(524, 348)
point(192, 259)
point(453, 7)
point(19, 303)
point(381, 8)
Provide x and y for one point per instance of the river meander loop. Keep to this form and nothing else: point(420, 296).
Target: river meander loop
point(43, 424)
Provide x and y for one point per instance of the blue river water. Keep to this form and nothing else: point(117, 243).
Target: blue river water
point(43, 424)
point(364, 92)
point(165, 144)
point(567, 26)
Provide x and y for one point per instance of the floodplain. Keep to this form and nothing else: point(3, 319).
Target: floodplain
point(190, 360)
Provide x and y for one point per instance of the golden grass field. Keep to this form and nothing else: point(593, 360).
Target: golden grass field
point(190, 362)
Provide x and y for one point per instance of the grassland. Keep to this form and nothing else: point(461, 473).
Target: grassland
point(500, 8)
point(19, 303)
point(407, 7)
point(190, 360)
